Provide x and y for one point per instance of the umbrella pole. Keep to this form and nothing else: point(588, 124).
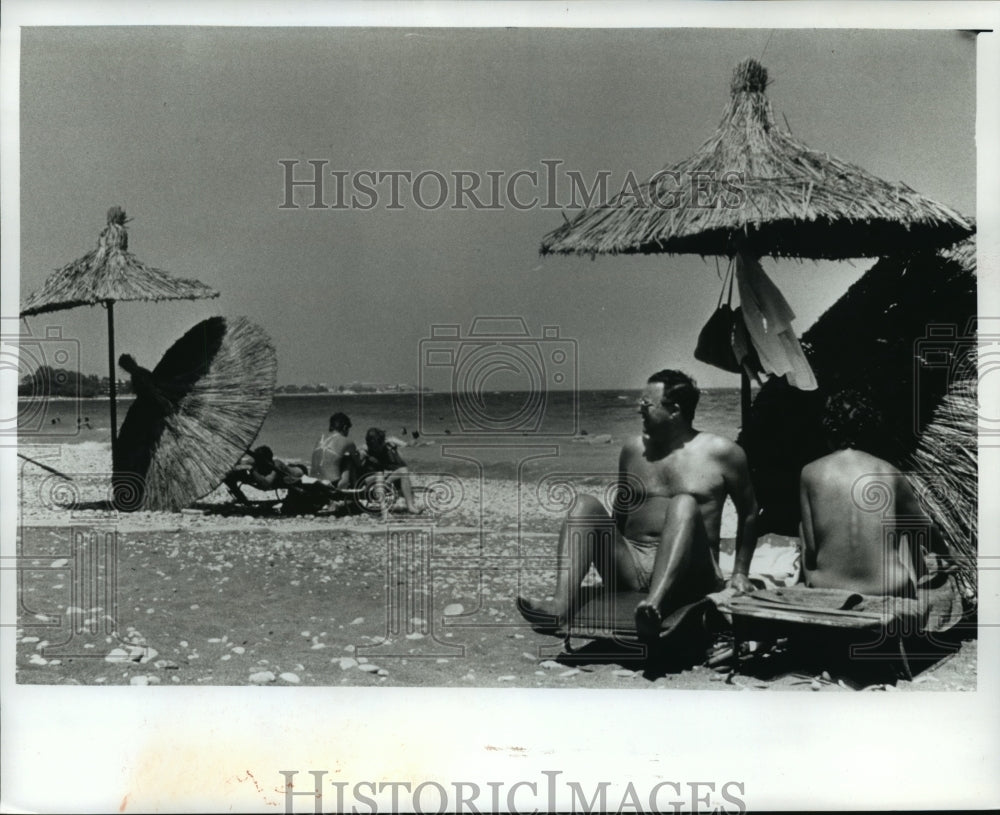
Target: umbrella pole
point(112, 388)
point(744, 399)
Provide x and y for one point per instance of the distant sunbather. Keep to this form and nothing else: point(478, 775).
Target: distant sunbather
point(851, 503)
point(335, 458)
point(381, 460)
point(263, 471)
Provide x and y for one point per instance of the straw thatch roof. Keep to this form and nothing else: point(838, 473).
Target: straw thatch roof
point(194, 415)
point(753, 186)
point(894, 336)
point(111, 273)
point(944, 470)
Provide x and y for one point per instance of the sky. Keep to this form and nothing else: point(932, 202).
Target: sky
point(185, 129)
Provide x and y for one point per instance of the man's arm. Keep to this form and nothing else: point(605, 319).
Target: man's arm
point(620, 509)
point(740, 489)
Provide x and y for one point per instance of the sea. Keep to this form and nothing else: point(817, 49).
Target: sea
point(501, 435)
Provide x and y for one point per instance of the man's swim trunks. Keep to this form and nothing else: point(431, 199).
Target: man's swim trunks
point(643, 555)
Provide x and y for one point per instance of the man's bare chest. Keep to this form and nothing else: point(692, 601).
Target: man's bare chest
point(679, 473)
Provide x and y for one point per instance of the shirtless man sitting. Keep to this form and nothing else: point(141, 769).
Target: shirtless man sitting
point(336, 459)
point(844, 543)
point(665, 536)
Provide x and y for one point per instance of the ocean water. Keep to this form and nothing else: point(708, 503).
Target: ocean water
point(499, 435)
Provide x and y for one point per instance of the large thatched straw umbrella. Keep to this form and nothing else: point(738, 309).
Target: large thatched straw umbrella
point(753, 190)
point(107, 275)
point(194, 414)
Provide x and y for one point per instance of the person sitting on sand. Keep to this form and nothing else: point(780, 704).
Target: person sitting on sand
point(335, 458)
point(664, 540)
point(849, 500)
point(380, 459)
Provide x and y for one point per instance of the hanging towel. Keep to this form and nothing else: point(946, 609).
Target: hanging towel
point(768, 319)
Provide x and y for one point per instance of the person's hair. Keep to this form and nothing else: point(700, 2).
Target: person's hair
point(375, 439)
point(678, 388)
point(339, 421)
point(262, 456)
point(851, 420)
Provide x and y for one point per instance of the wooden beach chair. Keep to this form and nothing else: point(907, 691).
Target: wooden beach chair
point(877, 627)
point(610, 616)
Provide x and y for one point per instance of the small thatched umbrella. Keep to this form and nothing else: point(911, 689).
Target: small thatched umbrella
point(105, 276)
point(752, 189)
point(194, 415)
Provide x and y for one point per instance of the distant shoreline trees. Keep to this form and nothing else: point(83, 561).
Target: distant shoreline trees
point(48, 381)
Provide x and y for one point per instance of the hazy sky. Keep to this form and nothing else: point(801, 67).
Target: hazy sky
point(184, 128)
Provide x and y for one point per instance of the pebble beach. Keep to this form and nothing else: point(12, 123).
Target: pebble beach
point(212, 596)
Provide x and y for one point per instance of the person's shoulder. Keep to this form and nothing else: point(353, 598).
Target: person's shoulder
point(718, 445)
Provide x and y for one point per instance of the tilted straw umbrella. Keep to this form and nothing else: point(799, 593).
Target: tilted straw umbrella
point(194, 414)
point(107, 275)
point(753, 189)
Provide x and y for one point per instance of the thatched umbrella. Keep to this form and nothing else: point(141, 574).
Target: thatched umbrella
point(754, 190)
point(194, 414)
point(946, 476)
point(105, 276)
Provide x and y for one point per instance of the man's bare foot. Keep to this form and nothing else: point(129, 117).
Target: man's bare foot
point(647, 621)
point(541, 619)
point(415, 510)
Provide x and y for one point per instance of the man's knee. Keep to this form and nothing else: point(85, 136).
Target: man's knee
point(587, 506)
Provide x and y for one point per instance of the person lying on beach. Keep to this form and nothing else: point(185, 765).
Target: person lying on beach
point(261, 470)
point(850, 499)
point(304, 495)
point(335, 458)
point(381, 461)
point(664, 534)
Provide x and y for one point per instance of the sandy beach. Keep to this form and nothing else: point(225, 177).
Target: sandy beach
point(214, 596)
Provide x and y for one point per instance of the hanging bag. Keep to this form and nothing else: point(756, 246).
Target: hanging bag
point(715, 340)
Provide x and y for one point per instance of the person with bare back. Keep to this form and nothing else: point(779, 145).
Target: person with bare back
point(665, 535)
point(845, 544)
